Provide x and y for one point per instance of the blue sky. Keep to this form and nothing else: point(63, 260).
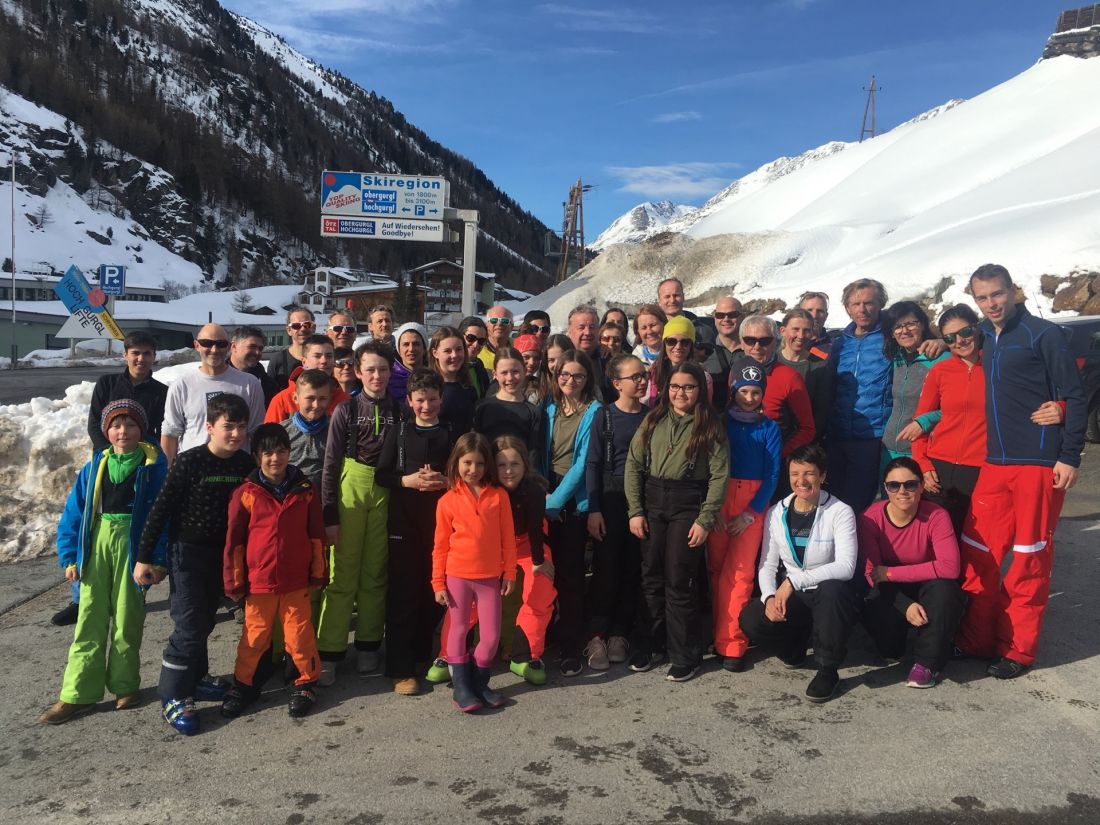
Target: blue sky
point(651, 100)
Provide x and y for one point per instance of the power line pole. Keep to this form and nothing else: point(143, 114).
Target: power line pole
point(869, 109)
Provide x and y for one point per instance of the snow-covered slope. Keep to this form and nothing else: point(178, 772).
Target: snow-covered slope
point(1010, 176)
point(643, 220)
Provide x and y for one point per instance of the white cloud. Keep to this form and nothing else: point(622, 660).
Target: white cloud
point(677, 117)
point(682, 180)
point(581, 18)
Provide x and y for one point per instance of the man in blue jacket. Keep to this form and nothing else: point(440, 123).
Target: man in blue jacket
point(1024, 479)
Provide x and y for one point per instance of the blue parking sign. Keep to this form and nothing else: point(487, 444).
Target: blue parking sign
point(112, 279)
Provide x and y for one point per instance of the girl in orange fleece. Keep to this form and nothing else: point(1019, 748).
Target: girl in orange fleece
point(475, 548)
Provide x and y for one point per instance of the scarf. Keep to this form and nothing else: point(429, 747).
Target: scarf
point(121, 466)
point(309, 427)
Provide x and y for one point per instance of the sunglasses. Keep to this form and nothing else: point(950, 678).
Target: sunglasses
point(212, 343)
point(610, 339)
point(340, 329)
point(504, 322)
point(540, 329)
point(910, 486)
point(672, 343)
point(301, 325)
point(343, 363)
point(473, 339)
point(965, 332)
point(722, 316)
point(753, 341)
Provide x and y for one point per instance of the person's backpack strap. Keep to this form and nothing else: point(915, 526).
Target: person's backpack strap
point(352, 441)
point(402, 424)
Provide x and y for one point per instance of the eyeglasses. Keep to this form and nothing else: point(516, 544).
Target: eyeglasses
point(573, 377)
point(473, 339)
point(212, 343)
point(684, 388)
point(722, 316)
point(504, 322)
point(910, 486)
point(637, 377)
point(540, 329)
point(906, 326)
point(753, 341)
point(343, 363)
point(301, 325)
point(610, 339)
point(340, 329)
point(965, 332)
point(672, 343)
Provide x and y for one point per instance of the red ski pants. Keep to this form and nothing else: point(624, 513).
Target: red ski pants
point(731, 563)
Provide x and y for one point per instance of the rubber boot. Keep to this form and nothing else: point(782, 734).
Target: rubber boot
point(465, 698)
point(490, 698)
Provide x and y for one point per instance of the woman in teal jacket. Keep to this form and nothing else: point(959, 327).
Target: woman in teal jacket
point(569, 416)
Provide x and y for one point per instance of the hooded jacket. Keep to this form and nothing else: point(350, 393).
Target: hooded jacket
point(862, 391)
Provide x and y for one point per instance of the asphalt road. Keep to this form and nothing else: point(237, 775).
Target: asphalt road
point(617, 747)
point(21, 385)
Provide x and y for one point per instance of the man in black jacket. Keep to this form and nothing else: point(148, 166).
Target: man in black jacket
point(245, 353)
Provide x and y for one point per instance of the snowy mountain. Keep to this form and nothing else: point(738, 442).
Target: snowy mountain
point(197, 137)
point(1010, 176)
point(639, 223)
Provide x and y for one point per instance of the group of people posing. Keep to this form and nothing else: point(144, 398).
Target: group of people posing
point(735, 482)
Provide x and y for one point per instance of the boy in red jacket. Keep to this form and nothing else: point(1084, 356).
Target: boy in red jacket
point(274, 554)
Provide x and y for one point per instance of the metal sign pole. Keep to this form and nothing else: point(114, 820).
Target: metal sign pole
point(469, 218)
point(14, 347)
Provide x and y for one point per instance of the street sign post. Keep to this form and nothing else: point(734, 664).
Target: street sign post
point(382, 194)
point(88, 305)
point(112, 280)
point(391, 230)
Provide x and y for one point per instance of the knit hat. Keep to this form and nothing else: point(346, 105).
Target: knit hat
point(411, 326)
point(124, 406)
point(748, 373)
point(525, 343)
point(679, 327)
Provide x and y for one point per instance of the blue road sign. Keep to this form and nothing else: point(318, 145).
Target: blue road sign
point(112, 279)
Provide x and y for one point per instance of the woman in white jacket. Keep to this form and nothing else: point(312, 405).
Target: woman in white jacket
point(814, 535)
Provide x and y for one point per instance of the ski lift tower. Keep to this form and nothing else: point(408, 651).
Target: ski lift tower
point(572, 256)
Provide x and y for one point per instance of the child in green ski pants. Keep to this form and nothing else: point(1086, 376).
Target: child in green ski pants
point(99, 529)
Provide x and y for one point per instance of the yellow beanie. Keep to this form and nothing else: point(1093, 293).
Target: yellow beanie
point(679, 327)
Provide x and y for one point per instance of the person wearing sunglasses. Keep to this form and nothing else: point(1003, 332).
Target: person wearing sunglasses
point(475, 335)
point(300, 324)
point(184, 424)
point(726, 316)
point(612, 340)
point(678, 348)
point(343, 371)
point(537, 322)
point(499, 325)
point(614, 315)
point(342, 329)
point(912, 562)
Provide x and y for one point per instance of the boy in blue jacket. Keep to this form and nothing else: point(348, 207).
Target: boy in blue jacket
point(96, 538)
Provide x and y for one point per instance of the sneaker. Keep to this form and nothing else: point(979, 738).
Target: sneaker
point(181, 715)
point(62, 712)
point(237, 698)
point(571, 666)
point(328, 674)
point(823, 685)
point(211, 689)
point(126, 701)
point(681, 673)
point(618, 649)
point(921, 677)
point(367, 662)
point(302, 700)
point(66, 615)
point(643, 661)
point(533, 671)
point(734, 664)
point(1006, 668)
point(406, 687)
point(438, 673)
point(596, 654)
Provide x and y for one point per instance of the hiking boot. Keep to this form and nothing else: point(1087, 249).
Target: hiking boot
point(681, 673)
point(921, 677)
point(571, 666)
point(643, 661)
point(823, 686)
point(127, 701)
point(302, 700)
point(181, 715)
point(367, 662)
point(533, 671)
point(438, 673)
point(489, 697)
point(65, 616)
point(237, 698)
point(618, 649)
point(211, 689)
point(406, 687)
point(1006, 668)
point(328, 674)
point(596, 654)
point(462, 679)
point(62, 712)
point(734, 664)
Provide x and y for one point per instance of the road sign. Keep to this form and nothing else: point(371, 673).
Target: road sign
point(392, 230)
point(112, 279)
point(88, 305)
point(384, 194)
